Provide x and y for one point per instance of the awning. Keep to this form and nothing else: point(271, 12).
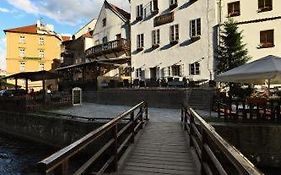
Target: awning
point(266, 68)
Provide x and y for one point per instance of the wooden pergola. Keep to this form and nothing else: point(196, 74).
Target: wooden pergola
point(33, 76)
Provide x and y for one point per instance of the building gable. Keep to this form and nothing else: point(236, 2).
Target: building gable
point(112, 15)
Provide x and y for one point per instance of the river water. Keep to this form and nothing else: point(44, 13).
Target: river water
point(19, 157)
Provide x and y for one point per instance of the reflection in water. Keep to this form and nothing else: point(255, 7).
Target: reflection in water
point(18, 157)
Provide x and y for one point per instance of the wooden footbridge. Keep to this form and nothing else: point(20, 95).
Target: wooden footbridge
point(131, 145)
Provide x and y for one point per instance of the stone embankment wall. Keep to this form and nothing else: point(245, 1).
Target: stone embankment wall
point(199, 98)
point(53, 131)
point(260, 143)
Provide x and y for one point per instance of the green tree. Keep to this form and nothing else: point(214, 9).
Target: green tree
point(231, 52)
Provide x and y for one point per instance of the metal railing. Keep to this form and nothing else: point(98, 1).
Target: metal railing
point(117, 140)
point(215, 154)
point(116, 45)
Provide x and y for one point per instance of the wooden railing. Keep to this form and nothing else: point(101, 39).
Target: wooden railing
point(109, 47)
point(250, 109)
point(117, 140)
point(215, 154)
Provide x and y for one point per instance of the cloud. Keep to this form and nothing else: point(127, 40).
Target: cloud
point(3, 10)
point(72, 12)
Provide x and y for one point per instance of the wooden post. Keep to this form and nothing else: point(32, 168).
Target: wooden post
point(182, 114)
point(26, 85)
point(191, 118)
point(114, 149)
point(141, 117)
point(132, 118)
point(185, 118)
point(203, 152)
point(62, 169)
point(16, 84)
point(146, 112)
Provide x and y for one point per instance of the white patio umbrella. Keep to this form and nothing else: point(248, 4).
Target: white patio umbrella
point(264, 69)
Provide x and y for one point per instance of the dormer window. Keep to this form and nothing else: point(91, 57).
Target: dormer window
point(173, 4)
point(139, 12)
point(233, 9)
point(265, 5)
point(104, 22)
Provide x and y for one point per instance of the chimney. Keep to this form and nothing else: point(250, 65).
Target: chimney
point(38, 23)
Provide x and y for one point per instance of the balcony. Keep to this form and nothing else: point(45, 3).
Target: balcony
point(111, 47)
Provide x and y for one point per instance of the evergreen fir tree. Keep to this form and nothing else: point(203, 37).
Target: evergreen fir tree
point(232, 52)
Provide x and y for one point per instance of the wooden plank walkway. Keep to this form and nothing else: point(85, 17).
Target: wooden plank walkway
point(163, 148)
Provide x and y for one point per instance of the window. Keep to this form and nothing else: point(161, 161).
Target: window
point(155, 37)
point(173, 4)
point(104, 40)
point(22, 52)
point(22, 39)
point(139, 12)
point(22, 66)
point(41, 66)
point(174, 34)
point(138, 72)
point(194, 69)
point(41, 41)
point(140, 41)
point(267, 38)
point(104, 22)
point(151, 8)
point(234, 9)
point(41, 53)
point(195, 28)
point(265, 5)
point(176, 70)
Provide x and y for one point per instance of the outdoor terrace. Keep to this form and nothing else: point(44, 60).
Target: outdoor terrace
point(34, 102)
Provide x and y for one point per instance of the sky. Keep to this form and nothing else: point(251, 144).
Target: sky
point(68, 16)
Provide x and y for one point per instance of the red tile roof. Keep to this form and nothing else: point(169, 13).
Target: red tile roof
point(88, 35)
point(122, 12)
point(66, 38)
point(32, 29)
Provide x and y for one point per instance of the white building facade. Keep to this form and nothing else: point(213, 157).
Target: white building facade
point(111, 41)
point(173, 38)
point(260, 23)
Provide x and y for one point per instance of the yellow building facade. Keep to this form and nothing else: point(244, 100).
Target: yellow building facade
point(31, 48)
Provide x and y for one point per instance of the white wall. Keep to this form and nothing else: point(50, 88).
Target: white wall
point(251, 30)
point(201, 50)
point(85, 29)
point(114, 26)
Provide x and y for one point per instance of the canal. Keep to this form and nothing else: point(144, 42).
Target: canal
point(19, 157)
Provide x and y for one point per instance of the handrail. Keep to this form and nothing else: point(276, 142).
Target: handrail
point(204, 138)
point(59, 161)
point(119, 43)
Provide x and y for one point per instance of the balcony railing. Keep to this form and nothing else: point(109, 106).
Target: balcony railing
point(108, 48)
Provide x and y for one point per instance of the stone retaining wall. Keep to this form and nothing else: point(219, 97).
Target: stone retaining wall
point(53, 131)
point(199, 98)
point(260, 143)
